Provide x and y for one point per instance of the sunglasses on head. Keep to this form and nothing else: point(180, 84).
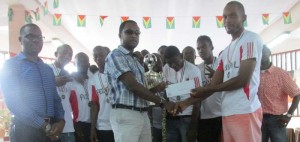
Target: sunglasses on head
point(131, 32)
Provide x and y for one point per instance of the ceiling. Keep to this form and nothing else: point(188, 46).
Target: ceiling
point(86, 38)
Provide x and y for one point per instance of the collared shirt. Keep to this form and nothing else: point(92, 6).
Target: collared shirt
point(275, 87)
point(29, 91)
point(118, 62)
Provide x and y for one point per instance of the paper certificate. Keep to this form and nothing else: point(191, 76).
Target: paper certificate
point(181, 88)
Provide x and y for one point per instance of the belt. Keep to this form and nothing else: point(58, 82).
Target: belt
point(270, 115)
point(114, 106)
point(178, 117)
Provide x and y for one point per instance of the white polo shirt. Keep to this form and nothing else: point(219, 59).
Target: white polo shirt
point(187, 72)
point(211, 106)
point(243, 100)
point(64, 93)
point(80, 98)
point(101, 86)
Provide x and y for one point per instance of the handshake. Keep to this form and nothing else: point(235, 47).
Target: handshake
point(175, 108)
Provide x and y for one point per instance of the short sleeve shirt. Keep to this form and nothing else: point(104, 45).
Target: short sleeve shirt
point(118, 62)
point(243, 100)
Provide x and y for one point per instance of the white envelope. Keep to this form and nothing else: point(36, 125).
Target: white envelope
point(181, 88)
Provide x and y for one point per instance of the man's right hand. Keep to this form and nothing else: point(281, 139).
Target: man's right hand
point(93, 136)
point(62, 80)
point(179, 107)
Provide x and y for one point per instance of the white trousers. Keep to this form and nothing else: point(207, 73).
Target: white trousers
point(130, 125)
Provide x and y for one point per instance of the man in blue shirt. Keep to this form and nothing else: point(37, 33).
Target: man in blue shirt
point(29, 89)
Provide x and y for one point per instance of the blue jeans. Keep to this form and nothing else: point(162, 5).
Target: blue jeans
point(67, 137)
point(177, 129)
point(156, 135)
point(271, 129)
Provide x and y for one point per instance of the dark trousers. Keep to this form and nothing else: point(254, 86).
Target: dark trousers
point(209, 130)
point(272, 130)
point(25, 133)
point(156, 135)
point(82, 131)
point(105, 136)
point(177, 129)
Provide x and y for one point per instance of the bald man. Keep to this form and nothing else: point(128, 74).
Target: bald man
point(275, 87)
point(63, 56)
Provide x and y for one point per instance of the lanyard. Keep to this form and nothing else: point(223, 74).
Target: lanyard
point(229, 59)
point(212, 65)
point(102, 84)
point(61, 88)
point(84, 86)
point(182, 73)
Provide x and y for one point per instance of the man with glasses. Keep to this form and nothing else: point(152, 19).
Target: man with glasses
point(129, 98)
point(29, 89)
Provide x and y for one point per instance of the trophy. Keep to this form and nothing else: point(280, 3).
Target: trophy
point(152, 78)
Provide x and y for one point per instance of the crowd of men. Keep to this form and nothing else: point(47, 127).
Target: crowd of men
point(239, 96)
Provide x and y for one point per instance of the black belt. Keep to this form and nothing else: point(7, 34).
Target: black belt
point(270, 115)
point(178, 117)
point(114, 106)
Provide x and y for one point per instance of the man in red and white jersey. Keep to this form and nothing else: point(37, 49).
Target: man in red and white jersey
point(237, 76)
point(176, 71)
point(63, 56)
point(80, 99)
point(100, 116)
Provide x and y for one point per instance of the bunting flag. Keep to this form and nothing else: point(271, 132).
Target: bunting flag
point(28, 17)
point(124, 18)
point(220, 21)
point(147, 22)
point(265, 18)
point(55, 3)
point(57, 19)
point(245, 23)
point(102, 20)
point(46, 11)
point(170, 23)
point(81, 20)
point(10, 14)
point(36, 14)
point(287, 18)
point(196, 22)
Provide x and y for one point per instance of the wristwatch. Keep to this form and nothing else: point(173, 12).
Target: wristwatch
point(161, 103)
point(289, 115)
point(48, 128)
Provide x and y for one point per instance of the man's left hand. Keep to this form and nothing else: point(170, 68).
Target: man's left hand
point(56, 130)
point(283, 121)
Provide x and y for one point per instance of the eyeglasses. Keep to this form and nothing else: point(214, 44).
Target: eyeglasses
point(131, 32)
point(33, 37)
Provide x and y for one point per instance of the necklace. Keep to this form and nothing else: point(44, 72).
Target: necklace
point(103, 87)
point(178, 98)
point(229, 59)
point(61, 89)
point(207, 75)
point(84, 86)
